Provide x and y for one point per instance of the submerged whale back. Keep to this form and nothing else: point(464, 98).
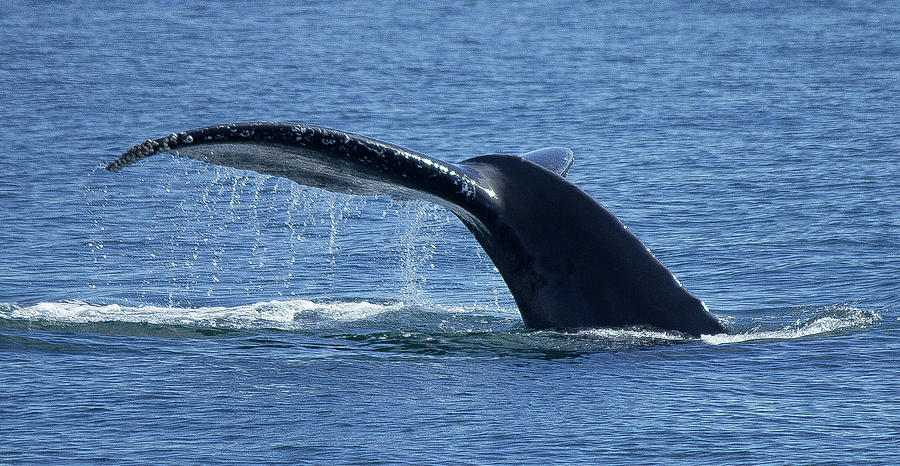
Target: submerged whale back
point(569, 263)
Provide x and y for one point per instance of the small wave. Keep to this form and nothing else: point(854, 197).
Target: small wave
point(634, 336)
point(395, 326)
point(282, 315)
point(832, 320)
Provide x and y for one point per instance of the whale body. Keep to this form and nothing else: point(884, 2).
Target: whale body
point(568, 262)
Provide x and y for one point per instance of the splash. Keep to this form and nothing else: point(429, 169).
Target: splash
point(832, 320)
point(281, 315)
point(635, 336)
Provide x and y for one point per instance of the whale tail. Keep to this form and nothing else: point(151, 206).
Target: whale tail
point(568, 262)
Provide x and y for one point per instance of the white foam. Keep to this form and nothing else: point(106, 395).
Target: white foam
point(302, 314)
point(271, 314)
point(632, 335)
point(836, 319)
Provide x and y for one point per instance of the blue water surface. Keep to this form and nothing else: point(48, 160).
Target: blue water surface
point(179, 312)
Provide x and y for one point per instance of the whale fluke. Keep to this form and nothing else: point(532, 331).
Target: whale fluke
point(568, 262)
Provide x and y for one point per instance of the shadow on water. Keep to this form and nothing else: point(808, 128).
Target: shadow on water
point(517, 342)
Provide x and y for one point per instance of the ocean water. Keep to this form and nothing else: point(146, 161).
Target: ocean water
point(179, 312)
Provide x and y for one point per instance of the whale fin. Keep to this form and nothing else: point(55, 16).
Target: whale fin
point(556, 159)
point(569, 263)
point(318, 157)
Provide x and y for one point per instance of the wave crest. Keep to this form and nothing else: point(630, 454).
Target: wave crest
point(283, 315)
point(370, 323)
point(835, 319)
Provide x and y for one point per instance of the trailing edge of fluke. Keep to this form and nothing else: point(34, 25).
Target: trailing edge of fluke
point(568, 262)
